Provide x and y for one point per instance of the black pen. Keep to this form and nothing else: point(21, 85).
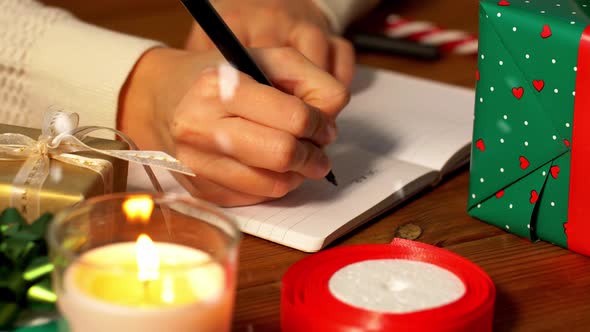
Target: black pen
point(374, 42)
point(229, 46)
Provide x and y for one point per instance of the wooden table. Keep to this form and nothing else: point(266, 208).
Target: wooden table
point(540, 287)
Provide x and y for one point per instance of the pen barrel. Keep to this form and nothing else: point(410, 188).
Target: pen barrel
point(224, 39)
point(397, 46)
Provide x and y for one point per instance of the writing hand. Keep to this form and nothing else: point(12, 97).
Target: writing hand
point(258, 144)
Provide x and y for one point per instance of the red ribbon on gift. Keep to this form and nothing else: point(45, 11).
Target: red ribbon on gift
point(308, 305)
point(578, 226)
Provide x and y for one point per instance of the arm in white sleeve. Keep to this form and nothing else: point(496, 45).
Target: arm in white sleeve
point(49, 59)
point(341, 13)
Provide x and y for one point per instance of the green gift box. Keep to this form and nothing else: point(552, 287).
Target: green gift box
point(531, 135)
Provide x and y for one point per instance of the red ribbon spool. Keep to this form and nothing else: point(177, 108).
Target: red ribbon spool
point(308, 305)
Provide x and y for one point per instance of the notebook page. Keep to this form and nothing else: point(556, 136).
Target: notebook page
point(384, 133)
point(417, 121)
point(307, 216)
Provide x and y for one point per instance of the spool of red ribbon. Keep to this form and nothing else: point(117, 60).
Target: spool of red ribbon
point(308, 304)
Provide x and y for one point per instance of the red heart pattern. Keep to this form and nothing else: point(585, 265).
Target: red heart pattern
point(503, 3)
point(500, 193)
point(524, 163)
point(554, 170)
point(539, 84)
point(566, 142)
point(477, 77)
point(546, 32)
point(534, 197)
point(518, 92)
point(479, 144)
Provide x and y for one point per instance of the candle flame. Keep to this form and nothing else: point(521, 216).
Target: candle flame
point(138, 208)
point(148, 261)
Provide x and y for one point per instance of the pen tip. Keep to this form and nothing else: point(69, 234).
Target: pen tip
point(331, 178)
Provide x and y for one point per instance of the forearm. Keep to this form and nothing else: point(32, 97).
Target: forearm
point(58, 61)
point(82, 68)
point(23, 23)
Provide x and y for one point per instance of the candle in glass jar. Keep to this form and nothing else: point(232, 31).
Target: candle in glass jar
point(121, 287)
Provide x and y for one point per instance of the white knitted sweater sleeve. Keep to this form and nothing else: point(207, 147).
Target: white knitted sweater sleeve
point(341, 13)
point(49, 59)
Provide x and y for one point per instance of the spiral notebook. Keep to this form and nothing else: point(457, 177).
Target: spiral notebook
point(398, 136)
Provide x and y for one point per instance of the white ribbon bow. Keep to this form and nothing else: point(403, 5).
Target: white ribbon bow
point(60, 137)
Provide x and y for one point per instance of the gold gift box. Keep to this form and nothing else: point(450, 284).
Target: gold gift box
point(75, 183)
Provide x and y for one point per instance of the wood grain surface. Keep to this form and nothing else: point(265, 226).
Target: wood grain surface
point(540, 287)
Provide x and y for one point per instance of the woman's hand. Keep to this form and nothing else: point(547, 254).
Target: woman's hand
point(273, 23)
point(246, 142)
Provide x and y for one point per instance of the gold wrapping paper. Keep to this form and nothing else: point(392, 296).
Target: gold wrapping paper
point(67, 184)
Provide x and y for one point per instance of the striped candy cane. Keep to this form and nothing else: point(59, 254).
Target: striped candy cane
point(454, 41)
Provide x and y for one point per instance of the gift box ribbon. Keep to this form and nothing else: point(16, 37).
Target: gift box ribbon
point(578, 228)
point(60, 138)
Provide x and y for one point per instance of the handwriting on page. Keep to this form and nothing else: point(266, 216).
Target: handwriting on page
point(364, 177)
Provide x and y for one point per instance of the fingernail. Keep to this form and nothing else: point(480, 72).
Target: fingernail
point(331, 131)
point(324, 165)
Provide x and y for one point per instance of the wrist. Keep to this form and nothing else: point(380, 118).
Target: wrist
point(139, 100)
point(135, 99)
point(153, 89)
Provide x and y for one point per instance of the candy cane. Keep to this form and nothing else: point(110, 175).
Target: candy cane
point(454, 41)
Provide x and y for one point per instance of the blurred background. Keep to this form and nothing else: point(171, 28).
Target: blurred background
point(169, 22)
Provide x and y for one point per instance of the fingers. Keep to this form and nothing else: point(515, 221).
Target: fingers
point(258, 103)
point(343, 60)
point(215, 193)
point(266, 38)
point(206, 122)
point(236, 176)
point(313, 43)
point(293, 73)
point(287, 114)
point(257, 146)
point(272, 108)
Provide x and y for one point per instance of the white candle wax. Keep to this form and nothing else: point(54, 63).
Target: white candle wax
point(395, 285)
point(191, 293)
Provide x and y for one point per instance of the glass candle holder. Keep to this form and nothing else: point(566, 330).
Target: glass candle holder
point(144, 262)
